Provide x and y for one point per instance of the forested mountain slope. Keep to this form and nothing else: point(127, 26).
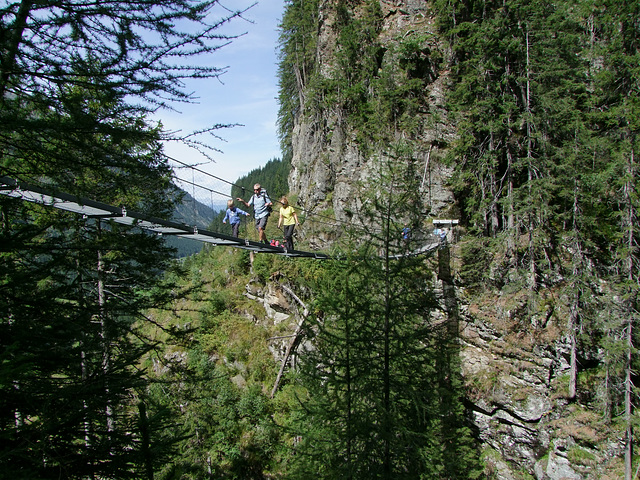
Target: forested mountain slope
point(521, 119)
point(506, 353)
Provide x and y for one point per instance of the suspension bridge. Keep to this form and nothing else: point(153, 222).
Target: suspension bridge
point(204, 189)
point(93, 209)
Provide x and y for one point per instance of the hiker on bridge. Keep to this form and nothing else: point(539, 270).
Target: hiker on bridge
point(233, 215)
point(262, 206)
point(289, 217)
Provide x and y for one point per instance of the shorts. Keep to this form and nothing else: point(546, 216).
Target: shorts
point(261, 223)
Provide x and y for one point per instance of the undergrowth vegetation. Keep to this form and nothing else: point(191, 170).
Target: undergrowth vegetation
point(214, 367)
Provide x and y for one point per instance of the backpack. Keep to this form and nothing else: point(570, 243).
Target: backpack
point(264, 195)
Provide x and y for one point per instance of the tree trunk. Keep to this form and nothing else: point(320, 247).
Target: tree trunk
point(573, 358)
point(297, 335)
point(106, 353)
point(629, 310)
point(146, 440)
point(574, 307)
point(533, 282)
point(10, 51)
point(386, 382)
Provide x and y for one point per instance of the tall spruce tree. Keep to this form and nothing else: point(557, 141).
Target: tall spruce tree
point(77, 79)
point(504, 96)
point(617, 87)
point(374, 407)
point(73, 290)
point(135, 53)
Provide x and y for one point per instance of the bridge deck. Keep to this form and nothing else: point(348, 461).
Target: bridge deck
point(93, 209)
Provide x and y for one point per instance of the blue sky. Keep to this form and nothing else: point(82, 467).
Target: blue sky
point(246, 94)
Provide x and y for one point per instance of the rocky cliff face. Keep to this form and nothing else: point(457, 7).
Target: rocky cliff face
point(517, 386)
point(516, 380)
point(327, 160)
point(516, 377)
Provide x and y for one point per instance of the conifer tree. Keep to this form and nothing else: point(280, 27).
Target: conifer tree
point(617, 85)
point(561, 79)
point(297, 64)
point(135, 55)
point(77, 80)
point(374, 408)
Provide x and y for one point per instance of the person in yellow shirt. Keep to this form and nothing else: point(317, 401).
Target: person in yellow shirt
point(289, 218)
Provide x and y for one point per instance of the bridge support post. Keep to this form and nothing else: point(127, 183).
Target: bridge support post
point(448, 291)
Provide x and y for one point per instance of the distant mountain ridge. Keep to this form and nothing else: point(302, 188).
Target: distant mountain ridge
point(195, 213)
